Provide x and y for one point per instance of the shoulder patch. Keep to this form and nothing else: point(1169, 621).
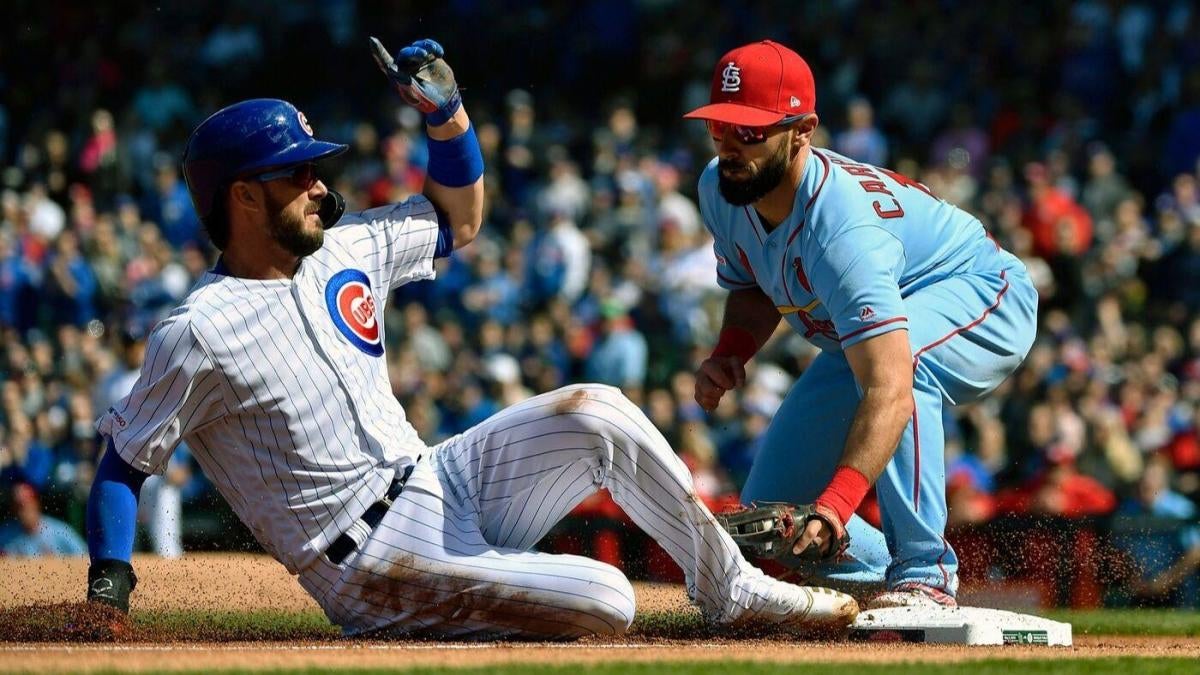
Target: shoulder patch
point(353, 310)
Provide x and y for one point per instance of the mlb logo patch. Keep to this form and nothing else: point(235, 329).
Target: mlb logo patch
point(353, 310)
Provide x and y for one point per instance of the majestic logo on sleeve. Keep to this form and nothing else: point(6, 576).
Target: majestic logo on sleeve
point(731, 78)
point(352, 308)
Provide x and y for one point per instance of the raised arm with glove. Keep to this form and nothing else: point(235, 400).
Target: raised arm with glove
point(425, 81)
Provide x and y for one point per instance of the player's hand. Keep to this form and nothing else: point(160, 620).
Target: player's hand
point(422, 78)
point(825, 531)
point(816, 531)
point(717, 375)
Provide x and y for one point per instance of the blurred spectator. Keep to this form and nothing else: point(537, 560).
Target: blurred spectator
point(1104, 190)
point(916, 104)
point(862, 141)
point(170, 205)
point(71, 285)
point(1165, 564)
point(98, 161)
point(161, 102)
point(1182, 146)
point(620, 356)
point(962, 144)
point(1059, 225)
point(33, 534)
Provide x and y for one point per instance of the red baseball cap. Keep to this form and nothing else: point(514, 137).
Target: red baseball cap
point(757, 85)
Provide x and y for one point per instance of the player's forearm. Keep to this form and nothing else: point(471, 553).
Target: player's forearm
point(455, 181)
point(880, 420)
point(750, 310)
point(874, 434)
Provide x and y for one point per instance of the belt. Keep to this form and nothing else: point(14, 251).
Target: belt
point(344, 545)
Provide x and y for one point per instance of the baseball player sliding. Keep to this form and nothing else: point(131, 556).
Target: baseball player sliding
point(912, 306)
point(272, 369)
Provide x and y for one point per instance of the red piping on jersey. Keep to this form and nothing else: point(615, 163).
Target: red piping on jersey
point(965, 328)
point(734, 282)
point(753, 226)
point(800, 226)
point(877, 324)
point(783, 270)
point(945, 574)
point(819, 186)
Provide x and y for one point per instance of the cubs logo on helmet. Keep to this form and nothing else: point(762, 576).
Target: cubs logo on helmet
point(352, 308)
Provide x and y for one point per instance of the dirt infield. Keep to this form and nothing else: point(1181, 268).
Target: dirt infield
point(245, 583)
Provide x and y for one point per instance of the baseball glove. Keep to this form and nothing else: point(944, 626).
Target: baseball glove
point(770, 529)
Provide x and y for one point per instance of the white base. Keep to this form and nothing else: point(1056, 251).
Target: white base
point(959, 626)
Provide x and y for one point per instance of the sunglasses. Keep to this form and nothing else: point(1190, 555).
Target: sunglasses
point(749, 135)
point(303, 176)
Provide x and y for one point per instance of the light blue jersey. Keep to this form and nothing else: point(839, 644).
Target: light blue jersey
point(866, 251)
point(859, 240)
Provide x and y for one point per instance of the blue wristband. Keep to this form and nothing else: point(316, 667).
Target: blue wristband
point(457, 162)
point(443, 114)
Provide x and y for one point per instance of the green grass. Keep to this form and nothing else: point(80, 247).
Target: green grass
point(232, 626)
point(1122, 666)
point(1183, 623)
point(268, 625)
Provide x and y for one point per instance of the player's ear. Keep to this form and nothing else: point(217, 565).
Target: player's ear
point(805, 128)
point(242, 195)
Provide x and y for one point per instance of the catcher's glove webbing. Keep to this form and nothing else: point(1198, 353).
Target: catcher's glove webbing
point(770, 530)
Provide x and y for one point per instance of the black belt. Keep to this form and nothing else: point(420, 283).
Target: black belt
point(345, 544)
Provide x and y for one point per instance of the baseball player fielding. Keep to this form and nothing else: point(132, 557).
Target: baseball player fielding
point(912, 305)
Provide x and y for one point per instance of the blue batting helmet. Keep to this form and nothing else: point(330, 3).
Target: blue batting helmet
point(246, 138)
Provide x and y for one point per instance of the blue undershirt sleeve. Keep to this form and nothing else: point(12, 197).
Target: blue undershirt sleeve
point(112, 508)
point(445, 241)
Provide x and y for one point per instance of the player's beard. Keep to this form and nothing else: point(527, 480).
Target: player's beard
point(288, 231)
point(758, 184)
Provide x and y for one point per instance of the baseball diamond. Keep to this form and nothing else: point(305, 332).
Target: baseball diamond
point(630, 336)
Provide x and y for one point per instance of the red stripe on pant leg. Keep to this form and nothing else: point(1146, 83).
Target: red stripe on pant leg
point(916, 460)
point(945, 574)
point(916, 361)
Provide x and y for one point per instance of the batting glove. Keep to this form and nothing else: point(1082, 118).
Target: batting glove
point(422, 78)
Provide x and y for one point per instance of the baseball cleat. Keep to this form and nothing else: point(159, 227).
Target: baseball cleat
point(780, 603)
point(912, 594)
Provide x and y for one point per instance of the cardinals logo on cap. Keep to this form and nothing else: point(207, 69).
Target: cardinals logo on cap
point(731, 78)
point(353, 310)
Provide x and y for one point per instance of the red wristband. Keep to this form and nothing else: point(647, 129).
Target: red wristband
point(845, 492)
point(736, 341)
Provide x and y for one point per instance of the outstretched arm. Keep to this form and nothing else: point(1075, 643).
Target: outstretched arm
point(455, 176)
point(111, 524)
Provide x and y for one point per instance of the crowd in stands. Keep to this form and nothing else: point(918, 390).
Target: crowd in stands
point(1073, 134)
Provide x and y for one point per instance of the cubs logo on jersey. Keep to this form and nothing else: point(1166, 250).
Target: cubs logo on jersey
point(352, 309)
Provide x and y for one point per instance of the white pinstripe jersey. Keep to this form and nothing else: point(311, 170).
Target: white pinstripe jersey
point(280, 387)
